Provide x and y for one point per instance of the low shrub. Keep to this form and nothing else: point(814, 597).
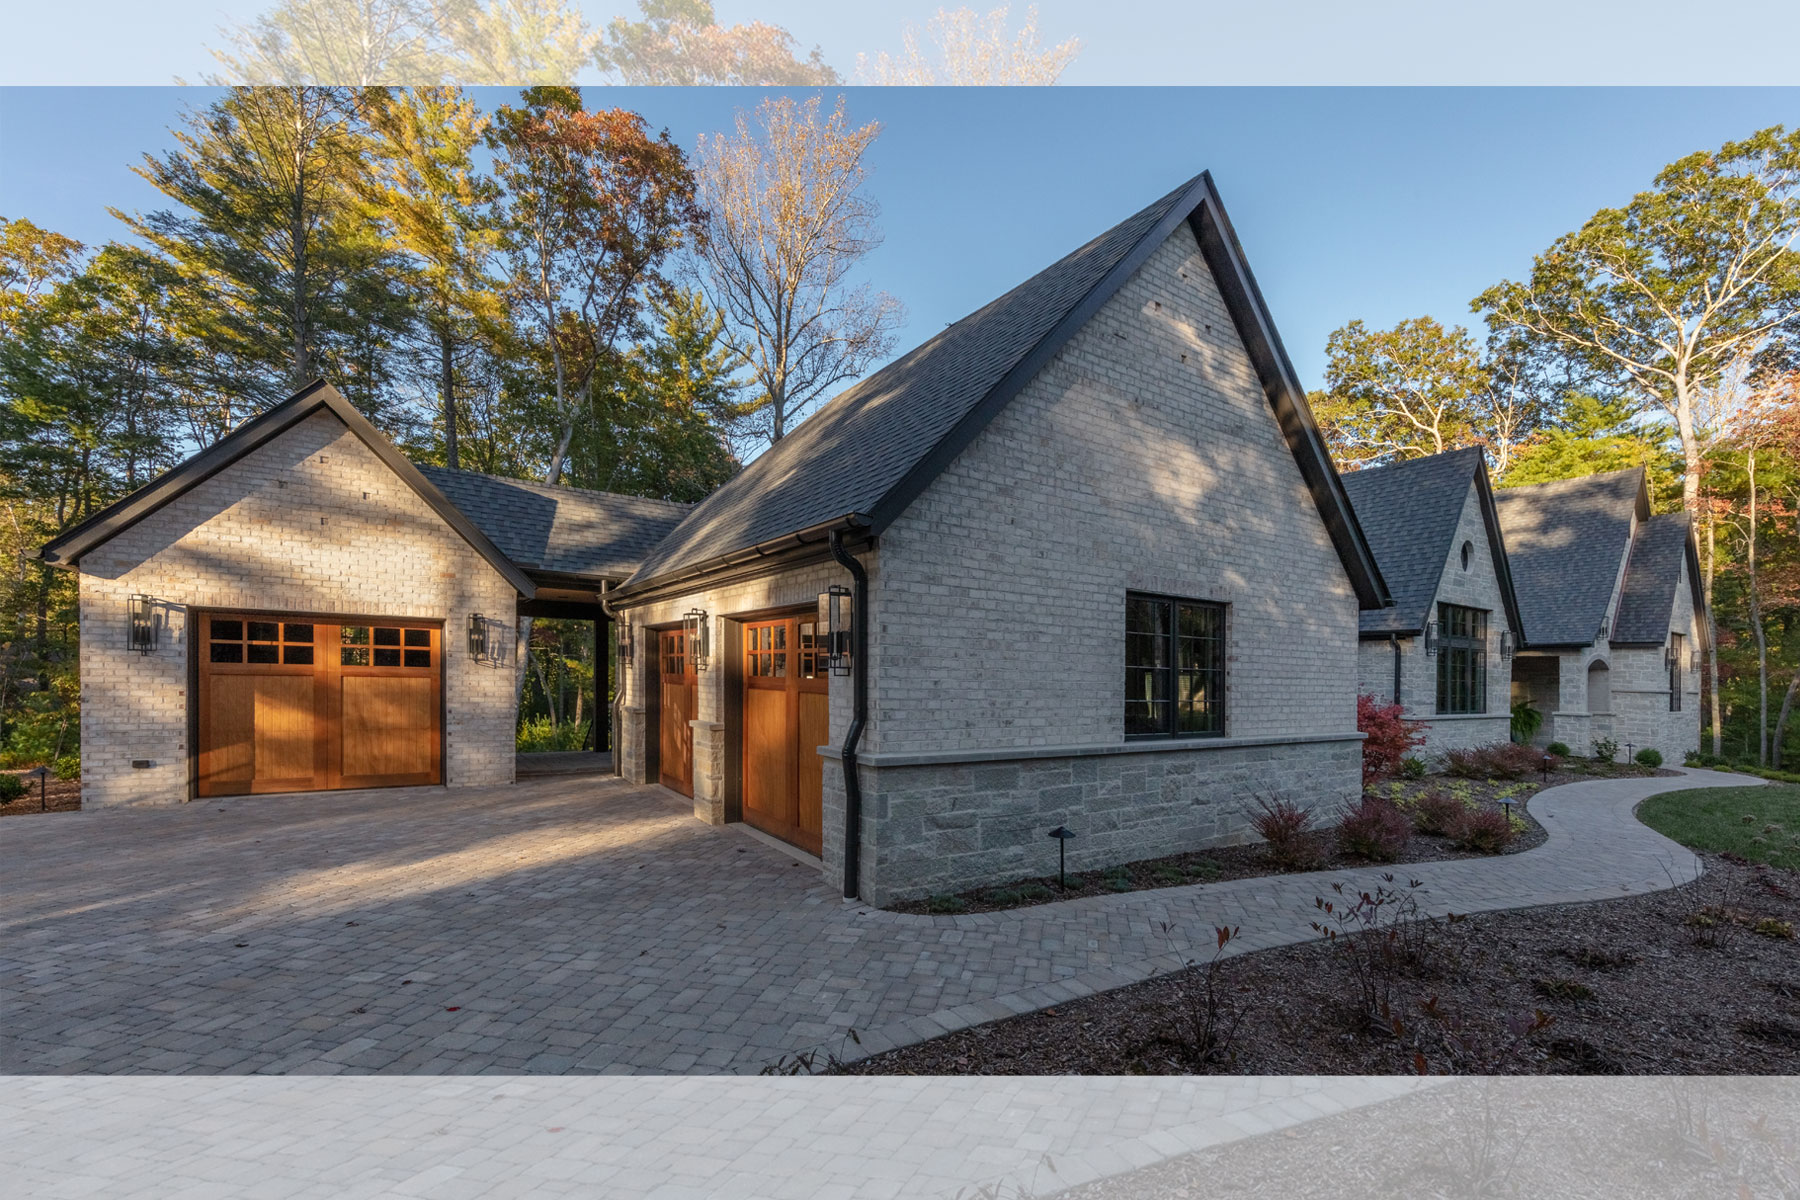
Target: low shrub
point(1388, 737)
point(11, 788)
point(1562, 989)
point(1374, 828)
point(1560, 749)
point(67, 767)
point(1605, 749)
point(1526, 721)
point(1648, 757)
point(1412, 767)
point(1436, 812)
point(1497, 760)
point(540, 735)
point(946, 904)
point(1483, 831)
point(1287, 833)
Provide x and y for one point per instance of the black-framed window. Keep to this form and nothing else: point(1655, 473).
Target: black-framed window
point(1174, 667)
point(1462, 659)
point(1675, 659)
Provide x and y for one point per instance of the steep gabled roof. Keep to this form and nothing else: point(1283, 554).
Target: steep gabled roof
point(1567, 541)
point(1647, 599)
point(1409, 512)
point(317, 396)
point(862, 459)
point(560, 530)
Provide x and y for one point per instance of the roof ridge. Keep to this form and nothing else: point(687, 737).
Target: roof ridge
point(561, 487)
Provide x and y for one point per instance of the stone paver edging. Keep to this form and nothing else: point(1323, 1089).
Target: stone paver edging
point(584, 925)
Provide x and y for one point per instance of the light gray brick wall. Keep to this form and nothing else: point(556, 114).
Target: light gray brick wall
point(311, 522)
point(1476, 587)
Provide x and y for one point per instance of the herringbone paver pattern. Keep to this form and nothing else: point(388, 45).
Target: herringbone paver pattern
point(581, 925)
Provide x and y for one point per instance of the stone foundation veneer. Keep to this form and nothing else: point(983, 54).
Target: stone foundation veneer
point(936, 823)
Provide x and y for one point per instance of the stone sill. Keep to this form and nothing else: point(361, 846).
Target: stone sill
point(1507, 717)
point(1015, 753)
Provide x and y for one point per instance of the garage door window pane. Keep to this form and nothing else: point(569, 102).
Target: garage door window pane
point(230, 631)
point(297, 633)
point(385, 657)
point(418, 637)
point(297, 656)
point(418, 658)
point(227, 652)
point(355, 656)
point(264, 631)
point(387, 637)
point(263, 654)
point(354, 635)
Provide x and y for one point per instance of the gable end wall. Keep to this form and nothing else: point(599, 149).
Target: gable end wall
point(314, 522)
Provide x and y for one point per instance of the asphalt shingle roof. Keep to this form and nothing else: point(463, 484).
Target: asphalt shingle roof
point(1409, 512)
point(1566, 541)
point(1647, 599)
point(851, 453)
point(570, 531)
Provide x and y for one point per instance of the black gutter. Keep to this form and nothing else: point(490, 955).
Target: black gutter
point(659, 586)
point(1394, 641)
point(859, 711)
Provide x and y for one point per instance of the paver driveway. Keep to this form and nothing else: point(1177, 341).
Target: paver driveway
point(588, 925)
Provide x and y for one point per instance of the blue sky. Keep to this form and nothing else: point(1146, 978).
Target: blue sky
point(1123, 41)
point(1371, 203)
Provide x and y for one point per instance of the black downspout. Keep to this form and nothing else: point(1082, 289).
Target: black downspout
point(614, 711)
point(1394, 641)
point(859, 711)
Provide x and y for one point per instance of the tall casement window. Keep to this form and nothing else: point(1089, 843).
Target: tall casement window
point(1174, 667)
point(1675, 653)
point(1462, 659)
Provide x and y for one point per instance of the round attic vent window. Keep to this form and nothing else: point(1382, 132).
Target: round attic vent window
point(1468, 552)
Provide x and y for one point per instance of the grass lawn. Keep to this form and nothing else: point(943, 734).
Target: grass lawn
point(1761, 824)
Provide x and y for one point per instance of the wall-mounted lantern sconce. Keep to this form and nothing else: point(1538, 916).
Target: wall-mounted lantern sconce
point(698, 629)
point(1694, 661)
point(1431, 638)
point(834, 621)
point(625, 641)
point(478, 637)
point(142, 629)
point(1506, 643)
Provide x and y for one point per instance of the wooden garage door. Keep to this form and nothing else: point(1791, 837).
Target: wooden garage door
point(679, 699)
point(787, 717)
point(291, 703)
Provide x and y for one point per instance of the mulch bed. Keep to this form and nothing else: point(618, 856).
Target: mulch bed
point(60, 795)
point(1249, 862)
point(1673, 982)
point(1548, 1139)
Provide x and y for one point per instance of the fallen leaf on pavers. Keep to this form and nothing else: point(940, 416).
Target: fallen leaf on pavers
point(454, 1008)
point(240, 945)
point(404, 982)
point(353, 922)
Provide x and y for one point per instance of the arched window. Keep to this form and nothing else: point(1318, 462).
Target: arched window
point(1468, 552)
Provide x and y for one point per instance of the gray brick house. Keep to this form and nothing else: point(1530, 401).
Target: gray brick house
point(1107, 577)
point(1614, 613)
point(1444, 649)
point(1092, 567)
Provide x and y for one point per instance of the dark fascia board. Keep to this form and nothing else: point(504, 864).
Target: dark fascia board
point(1384, 635)
point(1490, 518)
point(1200, 207)
point(67, 549)
point(790, 550)
point(1256, 328)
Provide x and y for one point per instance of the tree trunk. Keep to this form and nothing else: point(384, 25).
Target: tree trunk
point(447, 392)
point(1781, 722)
point(1712, 642)
point(1690, 447)
point(1756, 626)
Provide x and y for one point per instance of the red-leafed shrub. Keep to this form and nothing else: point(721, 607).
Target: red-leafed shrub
point(1287, 831)
point(1436, 812)
point(1389, 737)
point(1497, 760)
point(1483, 830)
point(1374, 828)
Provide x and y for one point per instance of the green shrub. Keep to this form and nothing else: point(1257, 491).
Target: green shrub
point(11, 788)
point(1648, 757)
point(1605, 749)
point(1412, 767)
point(67, 767)
point(1560, 749)
point(1526, 721)
point(538, 735)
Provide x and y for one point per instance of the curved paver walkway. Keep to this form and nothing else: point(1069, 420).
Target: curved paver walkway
point(588, 925)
